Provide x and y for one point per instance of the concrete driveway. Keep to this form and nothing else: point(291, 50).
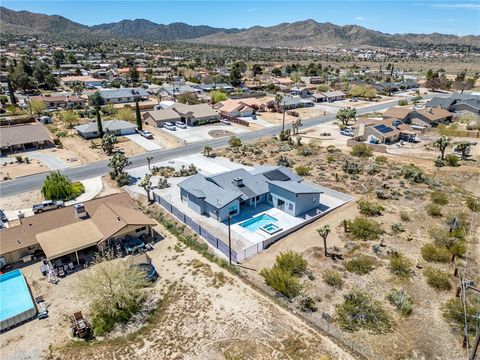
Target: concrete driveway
point(201, 133)
point(147, 144)
point(52, 162)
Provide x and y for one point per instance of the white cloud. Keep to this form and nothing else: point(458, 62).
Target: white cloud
point(359, 18)
point(471, 6)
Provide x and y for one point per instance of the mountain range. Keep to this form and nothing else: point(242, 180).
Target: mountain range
point(308, 33)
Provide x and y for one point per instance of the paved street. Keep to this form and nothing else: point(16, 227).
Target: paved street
point(99, 168)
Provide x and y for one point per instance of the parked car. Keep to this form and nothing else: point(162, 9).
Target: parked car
point(3, 217)
point(181, 125)
point(225, 121)
point(150, 272)
point(146, 134)
point(47, 205)
point(169, 126)
point(347, 132)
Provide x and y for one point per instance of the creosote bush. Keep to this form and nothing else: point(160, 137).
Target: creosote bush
point(360, 265)
point(359, 311)
point(362, 228)
point(401, 300)
point(433, 210)
point(439, 198)
point(333, 278)
point(433, 253)
point(361, 150)
point(369, 208)
point(400, 265)
point(437, 278)
point(303, 170)
point(473, 204)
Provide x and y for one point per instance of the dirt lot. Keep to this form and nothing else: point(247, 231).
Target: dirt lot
point(424, 334)
point(206, 313)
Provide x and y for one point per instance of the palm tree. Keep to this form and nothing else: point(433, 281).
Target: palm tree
point(97, 101)
point(323, 232)
point(441, 144)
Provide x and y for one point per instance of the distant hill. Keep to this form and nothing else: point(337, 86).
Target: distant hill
point(308, 33)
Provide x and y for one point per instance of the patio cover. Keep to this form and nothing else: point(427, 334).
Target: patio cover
point(68, 239)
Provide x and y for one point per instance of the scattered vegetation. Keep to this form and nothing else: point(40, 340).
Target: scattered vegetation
point(333, 278)
point(360, 265)
point(433, 253)
point(437, 278)
point(361, 150)
point(439, 198)
point(433, 210)
point(400, 265)
point(401, 300)
point(362, 228)
point(369, 208)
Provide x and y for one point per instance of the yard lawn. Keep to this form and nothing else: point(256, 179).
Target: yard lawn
point(207, 313)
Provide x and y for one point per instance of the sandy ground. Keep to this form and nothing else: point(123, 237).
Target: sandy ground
point(209, 314)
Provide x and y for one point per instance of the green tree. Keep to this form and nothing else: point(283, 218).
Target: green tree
point(97, 101)
point(207, 149)
point(217, 96)
point(36, 107)
point(236, 72)
point(69, 117)
point(235, 143)
point(108, 143)
point(125, 114)
point(138, 116)
point(295, 77)
point(11, 91)
point(323, 232)
point(442, 144)
point(58, 58)
point(59, 187)
point(133, 74)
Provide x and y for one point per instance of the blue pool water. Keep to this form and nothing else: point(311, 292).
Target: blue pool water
point(15, 297)
point(257, 222)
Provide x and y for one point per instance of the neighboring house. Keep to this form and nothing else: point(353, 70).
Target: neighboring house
point(234, 108)
point(114, 127)
point(23, 137)
point(312, 80)
point(190, 114)
point(159, 117)
point(288, 103)
point(68, 233)
point(426, 118)
point(125, 95)
point(64, 101)
point(223, 195)
point(328, 96)
point(457, 103)
point(86, 81)
point(300, 91)
point(386, 131)
point(210, 87)
point(170, 91)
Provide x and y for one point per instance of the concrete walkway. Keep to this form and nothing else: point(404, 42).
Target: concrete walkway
point(143, 142)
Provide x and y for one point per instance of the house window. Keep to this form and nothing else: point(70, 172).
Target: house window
point(290, 206)
point(232, 210)
point(257, 198)
point(141, 229)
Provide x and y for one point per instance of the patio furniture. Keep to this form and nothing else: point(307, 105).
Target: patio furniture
point(61, 272)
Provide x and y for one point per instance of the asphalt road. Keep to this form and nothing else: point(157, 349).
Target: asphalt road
point(32, 182)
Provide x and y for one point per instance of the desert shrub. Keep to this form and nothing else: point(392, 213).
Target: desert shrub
point(473, 204)
point(333, 278)
point(402, 102)
point(369, 208)
point(439, 198)
point(398, 227)
point(282, 281)
point(361, 150)
point(331, 159)
point(285, 161)
point(381, 159)
point(362, 228)
point(305, 302)
point(360, 265)
point(331, 148)
point(400, 265)
point(414, 174)
point(359, 311)
point(292, 262)
point(452, 311)
point(19, 159)
point(437, 279)
point(404, 216)
point(303, 170)
point(401, 300)
point(433, 253)
point(433, 210)
point(452, 160)
point(351, 167)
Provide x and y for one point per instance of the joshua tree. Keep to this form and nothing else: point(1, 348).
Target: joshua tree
point(323, 232)
point(464, 148)
point(207, 150)
point(118, 162)
point(146, 184)
point(296, 126)
point(441, 144)
point(108, 143)
point(345, 114)
point(97, 101)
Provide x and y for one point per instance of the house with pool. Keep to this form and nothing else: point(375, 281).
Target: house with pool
point(240, 194)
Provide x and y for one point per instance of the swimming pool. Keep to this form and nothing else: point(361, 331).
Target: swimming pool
point(16, 303)
point(257, 222)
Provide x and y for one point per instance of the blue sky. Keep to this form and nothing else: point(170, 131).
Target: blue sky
point(401, 16)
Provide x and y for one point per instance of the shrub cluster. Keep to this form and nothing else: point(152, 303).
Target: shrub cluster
point(333, 278)
point(401, 300)
point(361, 150)
point(437, 279)
point(369, 208)
point(362, 228)
point(433, 253)
point(360, 265)
point(400, 265)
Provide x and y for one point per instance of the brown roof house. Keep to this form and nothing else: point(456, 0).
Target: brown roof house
point(425, 118)
point(22, 137)
point(70, 231)
point(192, 115)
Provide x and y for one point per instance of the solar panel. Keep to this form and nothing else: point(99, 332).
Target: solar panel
point(383, 129)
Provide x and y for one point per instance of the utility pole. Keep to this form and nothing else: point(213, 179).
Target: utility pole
point(464, 286)
point(473, 355)
point(229, 241)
